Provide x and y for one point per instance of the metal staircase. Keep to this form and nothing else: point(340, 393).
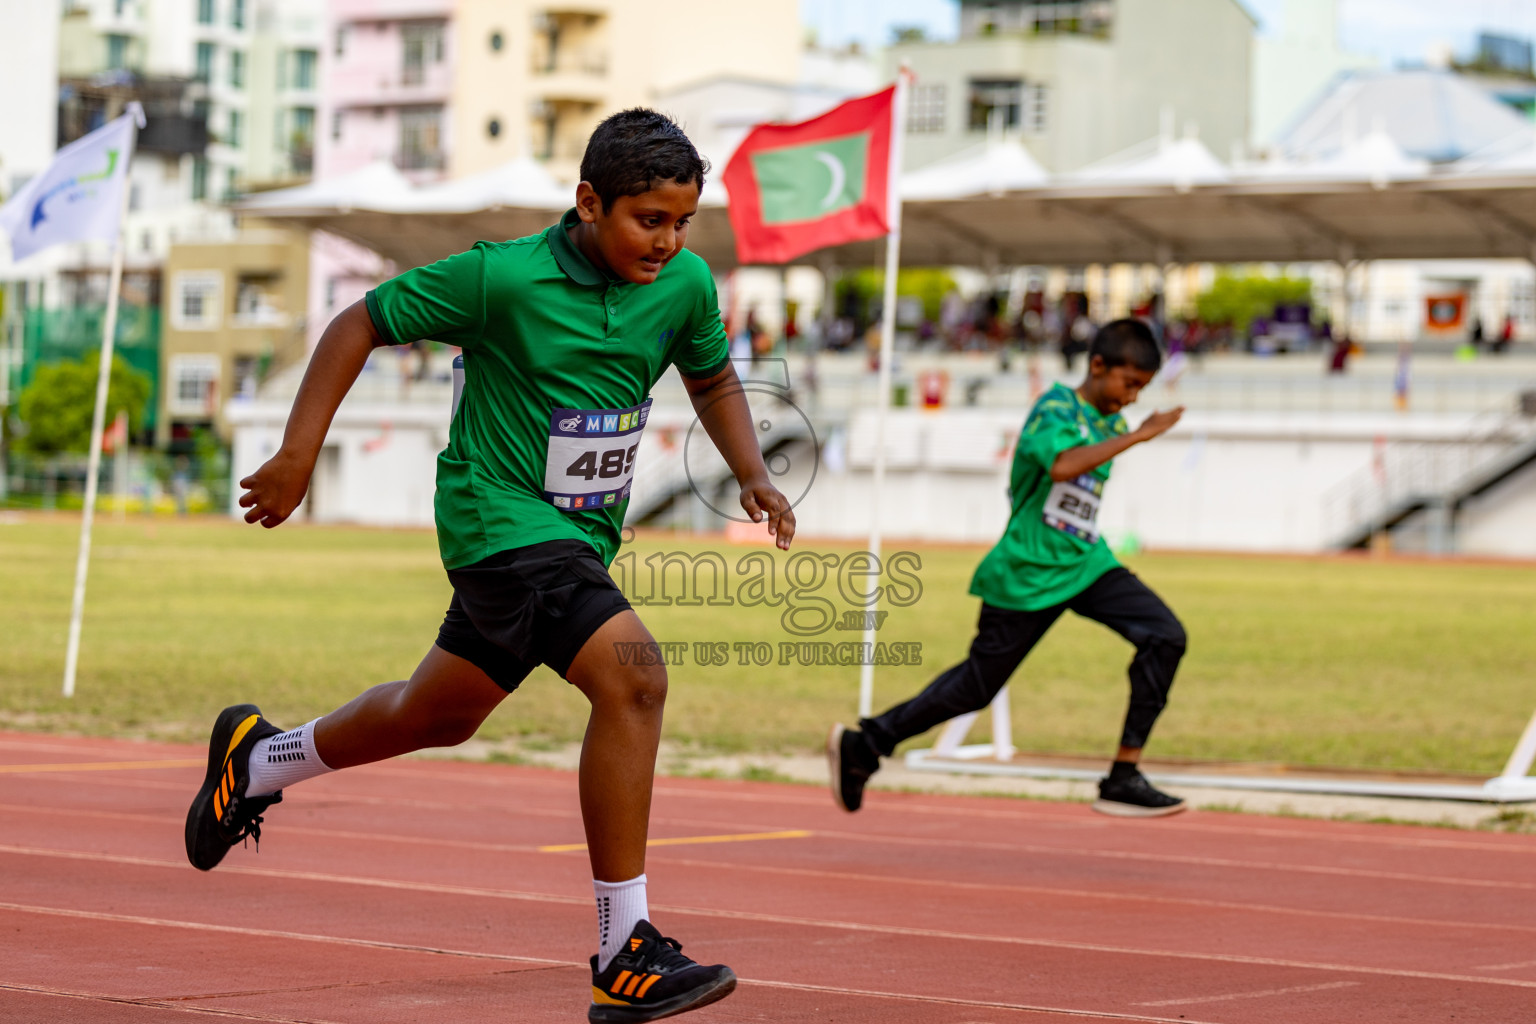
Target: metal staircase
point(1434, 478)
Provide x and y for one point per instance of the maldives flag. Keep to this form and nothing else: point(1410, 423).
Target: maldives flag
point(800, 187)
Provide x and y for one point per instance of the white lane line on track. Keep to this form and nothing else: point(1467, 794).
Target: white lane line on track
point(1139, 856)
point(1264, 994)
point(424, 769)
point(875, 879)
point(900, 931)
point(660, 857)
point(271, 933)
point(1507, 967)
point(373, 944)
point(200, 1011)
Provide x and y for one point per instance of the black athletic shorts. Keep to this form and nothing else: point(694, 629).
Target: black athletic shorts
point(528, 606)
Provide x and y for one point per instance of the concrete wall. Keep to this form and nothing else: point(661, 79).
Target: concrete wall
point(1104, 95)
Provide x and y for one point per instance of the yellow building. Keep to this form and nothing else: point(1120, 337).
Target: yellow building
point(234, 314)
point(534, 78)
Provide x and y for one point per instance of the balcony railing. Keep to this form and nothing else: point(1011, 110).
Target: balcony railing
point(571, 61)
point(174, 133)
point(421, 160)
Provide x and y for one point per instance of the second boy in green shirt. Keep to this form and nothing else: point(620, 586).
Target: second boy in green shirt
point(1051, 559)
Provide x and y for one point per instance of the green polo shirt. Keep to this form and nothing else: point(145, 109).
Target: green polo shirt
point(1051, 550)
point(559, 359)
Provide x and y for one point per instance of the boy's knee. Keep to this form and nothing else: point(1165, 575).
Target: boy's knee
point(641, 688)
point(1170, 634)
point(448, 731)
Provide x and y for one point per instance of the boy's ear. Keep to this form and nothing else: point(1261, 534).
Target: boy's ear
point(1096, 367)
point(589, 206)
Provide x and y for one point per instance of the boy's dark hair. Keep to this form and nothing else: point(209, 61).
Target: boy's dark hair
point(1129, 341)
point(632, 151)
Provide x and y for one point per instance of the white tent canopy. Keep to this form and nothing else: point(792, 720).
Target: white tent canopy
point(1183, 164)
point(994, 168)
point(1376, 158)
point(1177, 204)
point(523, 182)
point(376, 186)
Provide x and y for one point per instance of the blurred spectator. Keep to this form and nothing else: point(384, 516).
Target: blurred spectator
point(1506, 335)
point(1477, 332)
point(1339, 361)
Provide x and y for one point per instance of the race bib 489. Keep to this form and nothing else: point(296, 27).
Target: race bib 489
point(591, 460)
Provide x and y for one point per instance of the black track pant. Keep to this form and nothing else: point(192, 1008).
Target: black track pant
point(1117, 599)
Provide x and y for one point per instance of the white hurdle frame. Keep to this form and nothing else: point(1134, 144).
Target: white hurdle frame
point(952, 754)
point(952, 739)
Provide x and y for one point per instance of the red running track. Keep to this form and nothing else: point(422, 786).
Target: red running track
point(427, 891)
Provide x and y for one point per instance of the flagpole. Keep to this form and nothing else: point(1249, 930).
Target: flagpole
point(98, 423)
point(887, 344)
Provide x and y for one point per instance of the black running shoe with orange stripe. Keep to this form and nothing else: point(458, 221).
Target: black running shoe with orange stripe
point(222, 815)
point(652, 979)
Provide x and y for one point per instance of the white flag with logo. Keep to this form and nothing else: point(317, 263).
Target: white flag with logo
point(78, 197)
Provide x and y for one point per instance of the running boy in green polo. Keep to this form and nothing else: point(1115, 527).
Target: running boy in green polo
point(1051, 559)
point(563, 335)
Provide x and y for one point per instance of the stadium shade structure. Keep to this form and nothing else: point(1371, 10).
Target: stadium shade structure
point(1171, 203)
point(1367, 203)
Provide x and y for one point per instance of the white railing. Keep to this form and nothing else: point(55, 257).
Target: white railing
point(1405, 475)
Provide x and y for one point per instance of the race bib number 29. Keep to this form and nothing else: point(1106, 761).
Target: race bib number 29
point(591, 461)
point(1073, 507)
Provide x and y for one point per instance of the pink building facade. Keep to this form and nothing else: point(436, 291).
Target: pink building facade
point(387, 94)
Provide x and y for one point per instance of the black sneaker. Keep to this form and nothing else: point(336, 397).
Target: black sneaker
point(1134, 797)
point(652, 979)
point(852, 759)
point(222, 815)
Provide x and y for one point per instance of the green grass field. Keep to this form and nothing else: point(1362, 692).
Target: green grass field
point(1339, 662)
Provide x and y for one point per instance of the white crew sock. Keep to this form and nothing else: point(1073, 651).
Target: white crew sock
point(620, 906)
point(279, 761)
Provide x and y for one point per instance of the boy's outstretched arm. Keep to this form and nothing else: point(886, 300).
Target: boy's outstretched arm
point(1074, 462)
point(721, 404)
point(275, 490)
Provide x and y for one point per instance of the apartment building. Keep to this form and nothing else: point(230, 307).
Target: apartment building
point(1079, 81)
point(446, 88)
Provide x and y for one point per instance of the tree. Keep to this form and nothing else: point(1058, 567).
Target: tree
point(55, 409)
point(1239, 301)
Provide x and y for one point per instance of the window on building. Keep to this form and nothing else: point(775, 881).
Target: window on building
point(336, 121)
point(194, 384)
point(199, 178)
point(195, 300)
point(117, 52)
point(246, 376)
point(420, 45)
point(119, 7)
point(304, 64)
point(237, 69)
point(237, 13)
point(341, 40)
point(231, 183)
point(236, 129)
point(1036, 108)
point(926, 110)
point(205, 12)
point(205, 62)
point(301, 139)
point(420, 138)
point(995, 100)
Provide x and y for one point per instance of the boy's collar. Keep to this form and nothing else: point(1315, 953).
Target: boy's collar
point(569, 258)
